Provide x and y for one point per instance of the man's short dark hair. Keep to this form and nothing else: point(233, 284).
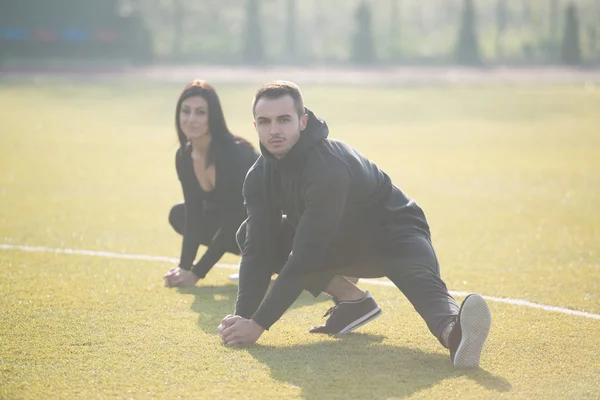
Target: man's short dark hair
point(278, 89)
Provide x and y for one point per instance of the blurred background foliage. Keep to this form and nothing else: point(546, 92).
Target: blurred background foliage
point(308, 32)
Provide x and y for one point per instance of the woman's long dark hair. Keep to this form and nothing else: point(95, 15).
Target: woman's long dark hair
point(221, 137)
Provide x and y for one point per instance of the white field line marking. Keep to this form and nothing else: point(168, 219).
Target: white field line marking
point(506, 300)
point(144, 257)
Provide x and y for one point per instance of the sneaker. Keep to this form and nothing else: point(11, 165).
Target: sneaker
point(469, 332)
point(352, 279)
point(346, 316)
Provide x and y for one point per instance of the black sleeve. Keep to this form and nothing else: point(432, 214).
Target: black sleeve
point(218, 246)
point(231, 176)
point(216, 249)
point(194, 203)
point(324, 194)
point(259, 254)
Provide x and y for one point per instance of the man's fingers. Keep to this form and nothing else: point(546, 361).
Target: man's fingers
point(234, 339)
point(228, 339)
point(230, 320)
point(221, 328)
point(231, 327)
point(227, 321)
point(230, 333)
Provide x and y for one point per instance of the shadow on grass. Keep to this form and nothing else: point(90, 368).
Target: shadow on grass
point(360, 366)
point(356, 365)
point(213, 303)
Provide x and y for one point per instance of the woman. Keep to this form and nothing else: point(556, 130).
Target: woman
point(211, 165)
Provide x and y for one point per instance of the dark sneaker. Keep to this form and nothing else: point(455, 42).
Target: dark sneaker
point(469, 332)
point(346, 316)
point(352, 279)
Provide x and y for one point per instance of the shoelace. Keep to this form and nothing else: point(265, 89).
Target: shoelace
point(330, 311)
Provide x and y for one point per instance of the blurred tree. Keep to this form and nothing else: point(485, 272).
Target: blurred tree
point(395, 46)
point(554, 7)
point(178, 21)
point(467, 49)
point(449, 11)
point(253, 47)
point(570, 51)
point(316, 31)
point(501, 25)
point(419, 16)
point(592, 39)
point(362, 43)
point(140, 47)
point(291, 29)
point(526, 12)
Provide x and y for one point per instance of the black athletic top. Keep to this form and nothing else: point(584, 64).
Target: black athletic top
point(231, 165)
point(342, 206)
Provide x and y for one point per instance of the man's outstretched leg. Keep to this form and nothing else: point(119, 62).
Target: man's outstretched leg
point(462, 330)
point(353, 307)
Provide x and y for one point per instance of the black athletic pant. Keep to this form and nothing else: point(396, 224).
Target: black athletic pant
point(208, 226)
point(415, 272)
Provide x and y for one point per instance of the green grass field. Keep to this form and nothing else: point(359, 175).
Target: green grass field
point(509, 179)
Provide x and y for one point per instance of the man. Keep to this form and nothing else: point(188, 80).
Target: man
point(343, 217)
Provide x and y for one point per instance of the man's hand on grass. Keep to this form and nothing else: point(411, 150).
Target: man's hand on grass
point(239, 330)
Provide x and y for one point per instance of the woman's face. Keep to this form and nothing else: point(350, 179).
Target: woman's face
point(193, 117)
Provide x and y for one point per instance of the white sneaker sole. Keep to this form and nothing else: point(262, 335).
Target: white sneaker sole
point(362, 320)
point(475, 323)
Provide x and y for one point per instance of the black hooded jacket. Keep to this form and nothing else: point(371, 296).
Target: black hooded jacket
point(343, 208)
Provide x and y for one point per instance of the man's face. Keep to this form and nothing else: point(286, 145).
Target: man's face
point(278, 124)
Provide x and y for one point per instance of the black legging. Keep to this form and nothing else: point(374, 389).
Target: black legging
point(208, 228)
